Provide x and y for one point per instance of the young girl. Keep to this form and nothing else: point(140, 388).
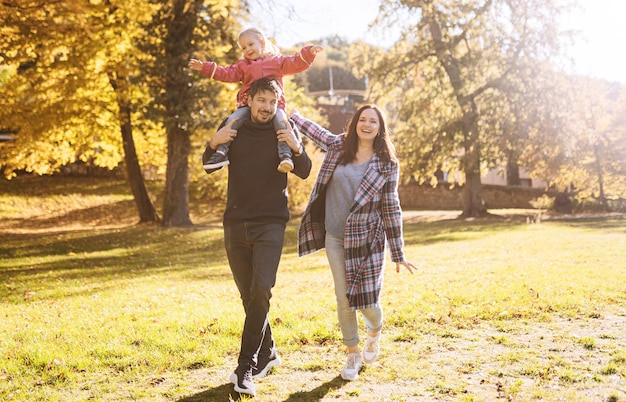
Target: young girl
point(261, 59)
point(353, 211)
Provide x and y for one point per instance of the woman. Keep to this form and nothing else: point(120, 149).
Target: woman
point(353, 207)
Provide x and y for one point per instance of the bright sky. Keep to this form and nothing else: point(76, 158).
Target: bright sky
point(599, 51)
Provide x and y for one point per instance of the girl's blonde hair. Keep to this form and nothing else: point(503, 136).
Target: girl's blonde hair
point(269, 49)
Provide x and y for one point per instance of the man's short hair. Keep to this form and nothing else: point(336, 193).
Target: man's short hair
point(265, 84)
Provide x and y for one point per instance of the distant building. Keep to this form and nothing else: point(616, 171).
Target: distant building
point(338, 104)
point(498, 177)
point(339, 109)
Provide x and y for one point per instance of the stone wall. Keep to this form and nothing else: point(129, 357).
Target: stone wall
point(415, 196)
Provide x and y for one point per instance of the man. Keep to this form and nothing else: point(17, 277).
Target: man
point(254, 222)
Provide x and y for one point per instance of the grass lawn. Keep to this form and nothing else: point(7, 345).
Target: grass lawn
point(93, 307)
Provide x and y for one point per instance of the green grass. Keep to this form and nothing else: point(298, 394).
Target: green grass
point(498, 309)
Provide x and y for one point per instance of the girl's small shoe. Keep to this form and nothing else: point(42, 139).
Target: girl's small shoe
point(216, 161)
point(285, 165)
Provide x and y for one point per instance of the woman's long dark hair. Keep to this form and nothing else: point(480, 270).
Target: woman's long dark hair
point(383, 147)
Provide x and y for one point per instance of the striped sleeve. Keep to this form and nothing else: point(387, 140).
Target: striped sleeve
point(316, 133)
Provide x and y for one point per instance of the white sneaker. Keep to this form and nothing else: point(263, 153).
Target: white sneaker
point(371, 348)
point(243, 382)
point(265, 364)
point(353, 366)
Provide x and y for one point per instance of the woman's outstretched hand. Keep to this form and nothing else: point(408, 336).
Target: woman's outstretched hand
point(407, 264)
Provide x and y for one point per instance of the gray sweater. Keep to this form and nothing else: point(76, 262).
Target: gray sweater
point(340, 193)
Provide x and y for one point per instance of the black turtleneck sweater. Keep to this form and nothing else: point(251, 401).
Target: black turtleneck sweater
point(256, 190)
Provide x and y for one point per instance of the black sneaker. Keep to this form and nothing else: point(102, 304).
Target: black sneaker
point(265, 364)
point(242, 378)
point(209, 171)
point(285, 165)
point(216, 161)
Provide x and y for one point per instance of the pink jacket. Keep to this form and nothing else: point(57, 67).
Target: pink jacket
point(248, 71)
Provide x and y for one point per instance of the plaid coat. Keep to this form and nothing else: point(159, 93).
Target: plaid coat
point(374, 216)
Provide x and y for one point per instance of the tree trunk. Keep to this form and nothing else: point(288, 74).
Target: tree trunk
point(176, 202)
point(598, 166)
point(146, 210)
point(177, 102)
point(473, 205)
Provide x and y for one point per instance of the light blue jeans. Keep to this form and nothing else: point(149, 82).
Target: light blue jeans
point(348, 321)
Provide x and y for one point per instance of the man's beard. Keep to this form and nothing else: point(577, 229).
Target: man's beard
point(263, 116)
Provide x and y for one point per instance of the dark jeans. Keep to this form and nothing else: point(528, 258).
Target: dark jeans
point(254, 251)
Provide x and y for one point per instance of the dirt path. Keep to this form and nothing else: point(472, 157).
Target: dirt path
point(526, 361)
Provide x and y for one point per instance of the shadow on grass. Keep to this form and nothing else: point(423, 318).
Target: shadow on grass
point(317, 394)
point(613, 223)
point(140, 240)
point(427, 233)
point(108, 256)
point(225, 392)
point(197, 253)
point(145, 250)
point(34, 186)
point(117, 213)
